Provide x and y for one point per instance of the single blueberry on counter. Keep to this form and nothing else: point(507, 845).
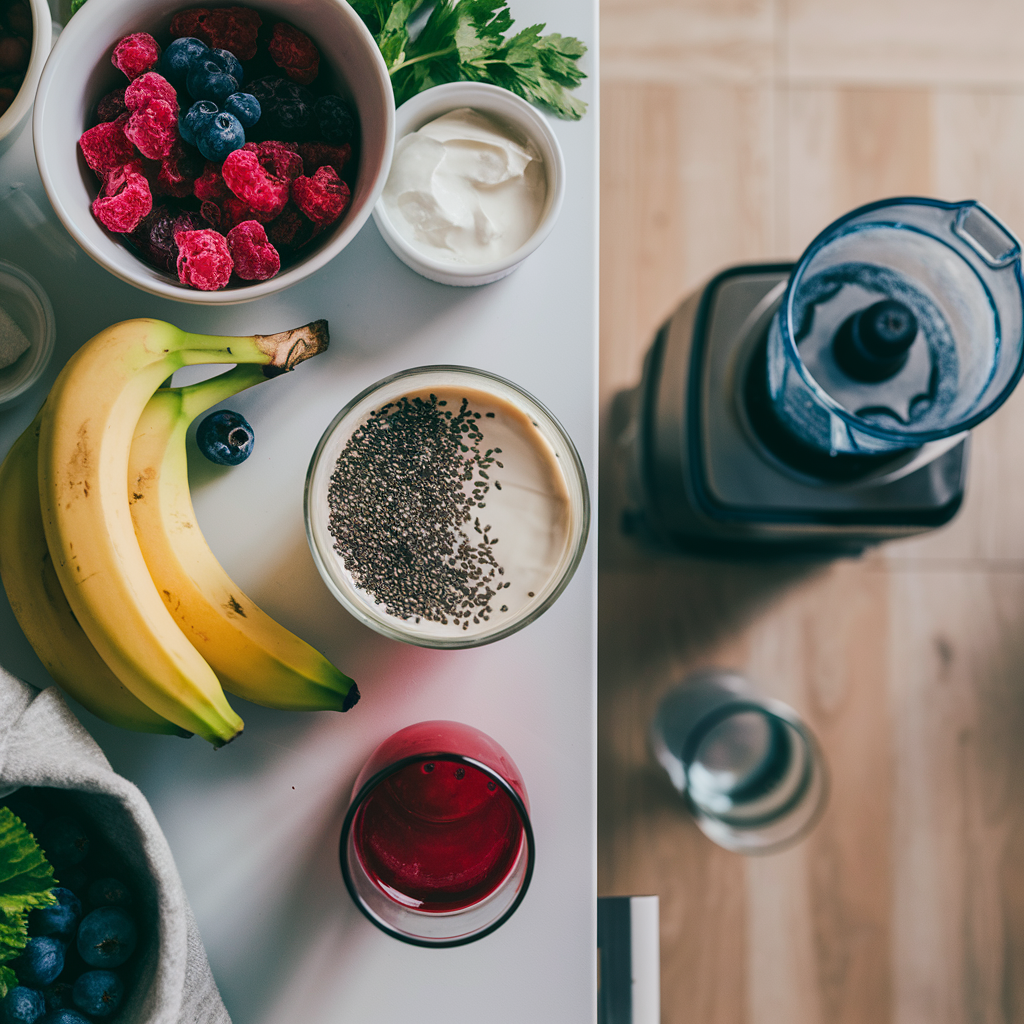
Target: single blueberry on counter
point(245, 107)
point(192, 121)
point(178, 58)
point(220, 135)
point(106, 937)
point(207, 80)
point(98, 993)
point(60, 921)
point(225, 438)
point(39, 962)
point(64, 842)
point(22, 1005)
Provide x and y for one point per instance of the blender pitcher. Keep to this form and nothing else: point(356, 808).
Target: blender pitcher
point(901, 324)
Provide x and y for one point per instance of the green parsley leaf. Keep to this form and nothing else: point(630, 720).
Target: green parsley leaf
point(26, 881)
point(468, 40)
point(8, 979)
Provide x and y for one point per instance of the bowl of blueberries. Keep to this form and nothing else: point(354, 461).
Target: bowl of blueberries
point(214, 155)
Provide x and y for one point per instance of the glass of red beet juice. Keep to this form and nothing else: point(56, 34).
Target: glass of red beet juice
point(436, 848)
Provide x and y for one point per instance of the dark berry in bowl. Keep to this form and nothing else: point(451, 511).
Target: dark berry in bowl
point(109, 892)
point(225, 437)
point(98, 993)
point(337, 125)
point(39, 962)
point(62, 1017)
point(229, 63)
point(60, 921)
point(207, 80)
point(64, 842)
point(106, 937)
point(245, 107)
point(58, 995)
point(191, 121)
point(220, 135)
point(179, 57)
point(287, 108)
point(22, 1005)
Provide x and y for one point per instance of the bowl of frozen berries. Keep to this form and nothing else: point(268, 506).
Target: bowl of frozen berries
point(214, 154)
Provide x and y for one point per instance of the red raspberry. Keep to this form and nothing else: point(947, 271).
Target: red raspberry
point(291, 230)
point(111, 107)
point(210, 184)
point(322, 198)
point(204, 261)
point(210, 212)
point(135, 54)
point(106, 146)
point(125, 200)
point(234, 211)
point(294, 53)
point(153, 128)
point(277, 158)
point(252, 184)
point(147, 87)
point(255, 258)
point(178, 171)
point(186, 221)
point(226, 28)
point(320, 154)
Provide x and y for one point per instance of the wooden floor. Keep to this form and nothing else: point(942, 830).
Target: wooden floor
point(734, 130)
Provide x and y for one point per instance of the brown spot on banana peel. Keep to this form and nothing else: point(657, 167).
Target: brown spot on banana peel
point(289, 348)
point(235, 607)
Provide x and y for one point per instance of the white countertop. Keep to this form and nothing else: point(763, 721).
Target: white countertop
point(254, 826)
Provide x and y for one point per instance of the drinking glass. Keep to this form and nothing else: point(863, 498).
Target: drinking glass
point(750, 770)
point(436, 847)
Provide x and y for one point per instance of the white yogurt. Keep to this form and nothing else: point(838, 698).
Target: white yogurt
point(465, 189)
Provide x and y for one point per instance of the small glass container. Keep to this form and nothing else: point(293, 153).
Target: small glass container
point(528, 521)
point(23, 299)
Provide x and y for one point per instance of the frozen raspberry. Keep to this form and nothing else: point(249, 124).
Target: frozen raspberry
point(234, 211)
point(187, 221)
point(210, 184)
point(106, 146)
point(255, 258)
point(319, 154)
point(294, 53)
point(204, 261)
point(323, 198)
point(135, 54)
point(210, 212)
point(291, 230)
point(154, 238)
point(178, 171)
point(126, 199)
point(111, 107)
point(147, 87)
point(277, 158)
point(248, 180)
point(226, 28)
point(153, 128)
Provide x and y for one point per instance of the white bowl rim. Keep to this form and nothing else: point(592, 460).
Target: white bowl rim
point(45, 345)
point(97, 10)
point(42, 40)
point(460, 94)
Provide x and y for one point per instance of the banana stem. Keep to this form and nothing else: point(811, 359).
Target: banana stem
point(197, 398)
point(282, 351)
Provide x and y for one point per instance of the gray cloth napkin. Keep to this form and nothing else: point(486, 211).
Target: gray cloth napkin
point(43, 744)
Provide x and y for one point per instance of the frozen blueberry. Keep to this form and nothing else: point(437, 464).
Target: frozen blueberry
point(207, 80)
point(63, 1017)
point(192, 120)
point(337, 125)
point(106, 937)
point(98, 993)
point(245, 107)
point(109, 892)
point(220, 135)
point(59, 921)
point(64, 842)
point(286, 108)
point(39, 962)
point(178, 58)
point(225, 438)
point(22, 1005)
point(229, 63)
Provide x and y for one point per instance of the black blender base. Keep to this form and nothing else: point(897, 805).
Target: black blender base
point(713, 473)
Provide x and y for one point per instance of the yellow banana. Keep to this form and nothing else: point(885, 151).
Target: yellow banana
point(84, 442)
point(254, 656)
point(41, 608)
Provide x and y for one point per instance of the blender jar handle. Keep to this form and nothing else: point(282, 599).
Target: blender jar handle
point(986, 236)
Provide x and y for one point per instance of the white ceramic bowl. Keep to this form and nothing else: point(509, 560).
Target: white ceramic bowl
point(13, 118)
point(79, 72)
point(25, 302)
point(522, 118)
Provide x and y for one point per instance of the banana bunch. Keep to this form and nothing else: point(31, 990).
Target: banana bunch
point(103, 561)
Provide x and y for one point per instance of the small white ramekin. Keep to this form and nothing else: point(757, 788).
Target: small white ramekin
point(25, 302)
point(519, 115)
point(14, 117)
point(79, 72)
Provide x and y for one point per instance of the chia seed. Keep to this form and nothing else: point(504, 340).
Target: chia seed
point(402, 491)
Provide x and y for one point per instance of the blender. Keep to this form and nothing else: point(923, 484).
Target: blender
point(826, 405)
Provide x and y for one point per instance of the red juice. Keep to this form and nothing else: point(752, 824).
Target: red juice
point(438, 835)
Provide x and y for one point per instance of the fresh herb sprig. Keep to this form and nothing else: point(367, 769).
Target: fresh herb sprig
point(469, 40)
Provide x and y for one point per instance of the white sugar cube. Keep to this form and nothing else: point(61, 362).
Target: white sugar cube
point(12, 339)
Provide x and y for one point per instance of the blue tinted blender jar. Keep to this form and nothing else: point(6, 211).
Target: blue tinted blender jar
point(902, 323)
